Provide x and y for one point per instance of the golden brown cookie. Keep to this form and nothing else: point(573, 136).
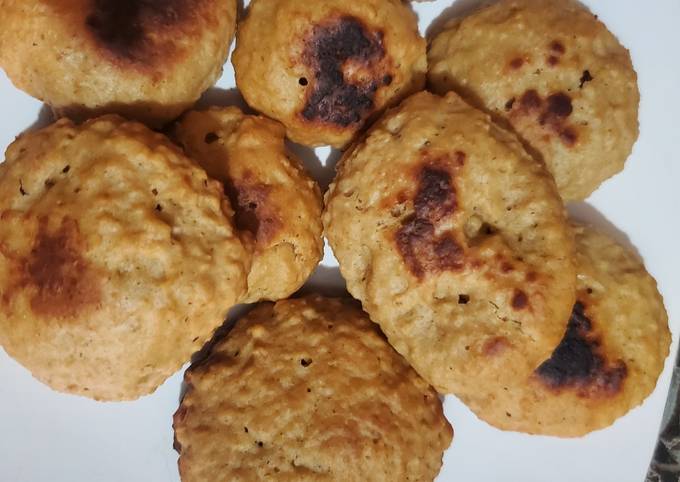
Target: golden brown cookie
point(148, 60)
point(277, 204)
point(117, 257)
point(555, 73)
point(324, 67)
point(456, 242)
point(608, 360)
point(308, 390)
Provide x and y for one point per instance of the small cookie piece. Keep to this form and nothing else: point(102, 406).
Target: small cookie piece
point(608, 361)
point(555, 73)
point(308, 390)
point(145, 59)
point(117, 257)
point(324, 67)
point(277, 205)
point(456, 242)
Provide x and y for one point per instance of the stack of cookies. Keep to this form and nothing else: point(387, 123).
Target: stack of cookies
point(122, 248)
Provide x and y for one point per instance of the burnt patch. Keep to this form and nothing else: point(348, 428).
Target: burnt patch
point(253, 212)
point(557, 47)
point(530, 100)
point(509, 104)
point(552, 113)
point(210, 138)
point(423, 250)
point(129, 29)
point(57, 273)
point(578, 361)
point(516, 63)
point(568, 136)
point(333, 47)
point(519, 300)
point(585, 77)
point(559, 105)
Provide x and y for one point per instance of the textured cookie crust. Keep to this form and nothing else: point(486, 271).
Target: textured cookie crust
point(323, 67)
point(609, 359)
point(277, 204)
point(455, 241)
point(117, 258)
point(308, 390)
point(148, 60)
point(556, 74)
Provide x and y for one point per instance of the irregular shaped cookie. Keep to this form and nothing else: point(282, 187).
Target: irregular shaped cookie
point(324, 67)
point(278, 206)
point(117, 257)
point(308, 390)
point(608, 361)
point(555, 73)
point(456, 242)
point(145, 59)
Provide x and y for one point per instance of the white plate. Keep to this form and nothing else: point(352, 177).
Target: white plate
point(46, 436)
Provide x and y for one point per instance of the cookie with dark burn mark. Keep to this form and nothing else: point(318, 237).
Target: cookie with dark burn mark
point(325, 67)
point(117, 257)
point(554, 73)
point(308, 390)
point(455, 241)
point(145, 59)
point(609, 358)
point(277, 205)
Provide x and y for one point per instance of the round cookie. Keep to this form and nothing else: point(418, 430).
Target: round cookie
point(555, 73)
point(117, 257)
point(308, 390)
point(608, 360)
point(148, 60)
point(456, 242)
point(324, 67)
point(278, 206)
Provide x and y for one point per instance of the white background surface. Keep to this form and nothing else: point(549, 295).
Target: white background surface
point(45, 436)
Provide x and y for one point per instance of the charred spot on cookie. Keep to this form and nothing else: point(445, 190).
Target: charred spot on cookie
point(332, 47)
point(551, 113)
point(553, 60)
point(578, 363)
point(519, 300)
point(126, 28)
point(211, 137)
point(509, 104)
point(585, 77)
point(58, 273)
point(557, 47)
point(463, 299)
point(253, 210)
point(460, 158)
point(436, 195)
point(530, 100)
point(423, 250)
point(517, 63)
point(559, 105)
point(568, 136)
